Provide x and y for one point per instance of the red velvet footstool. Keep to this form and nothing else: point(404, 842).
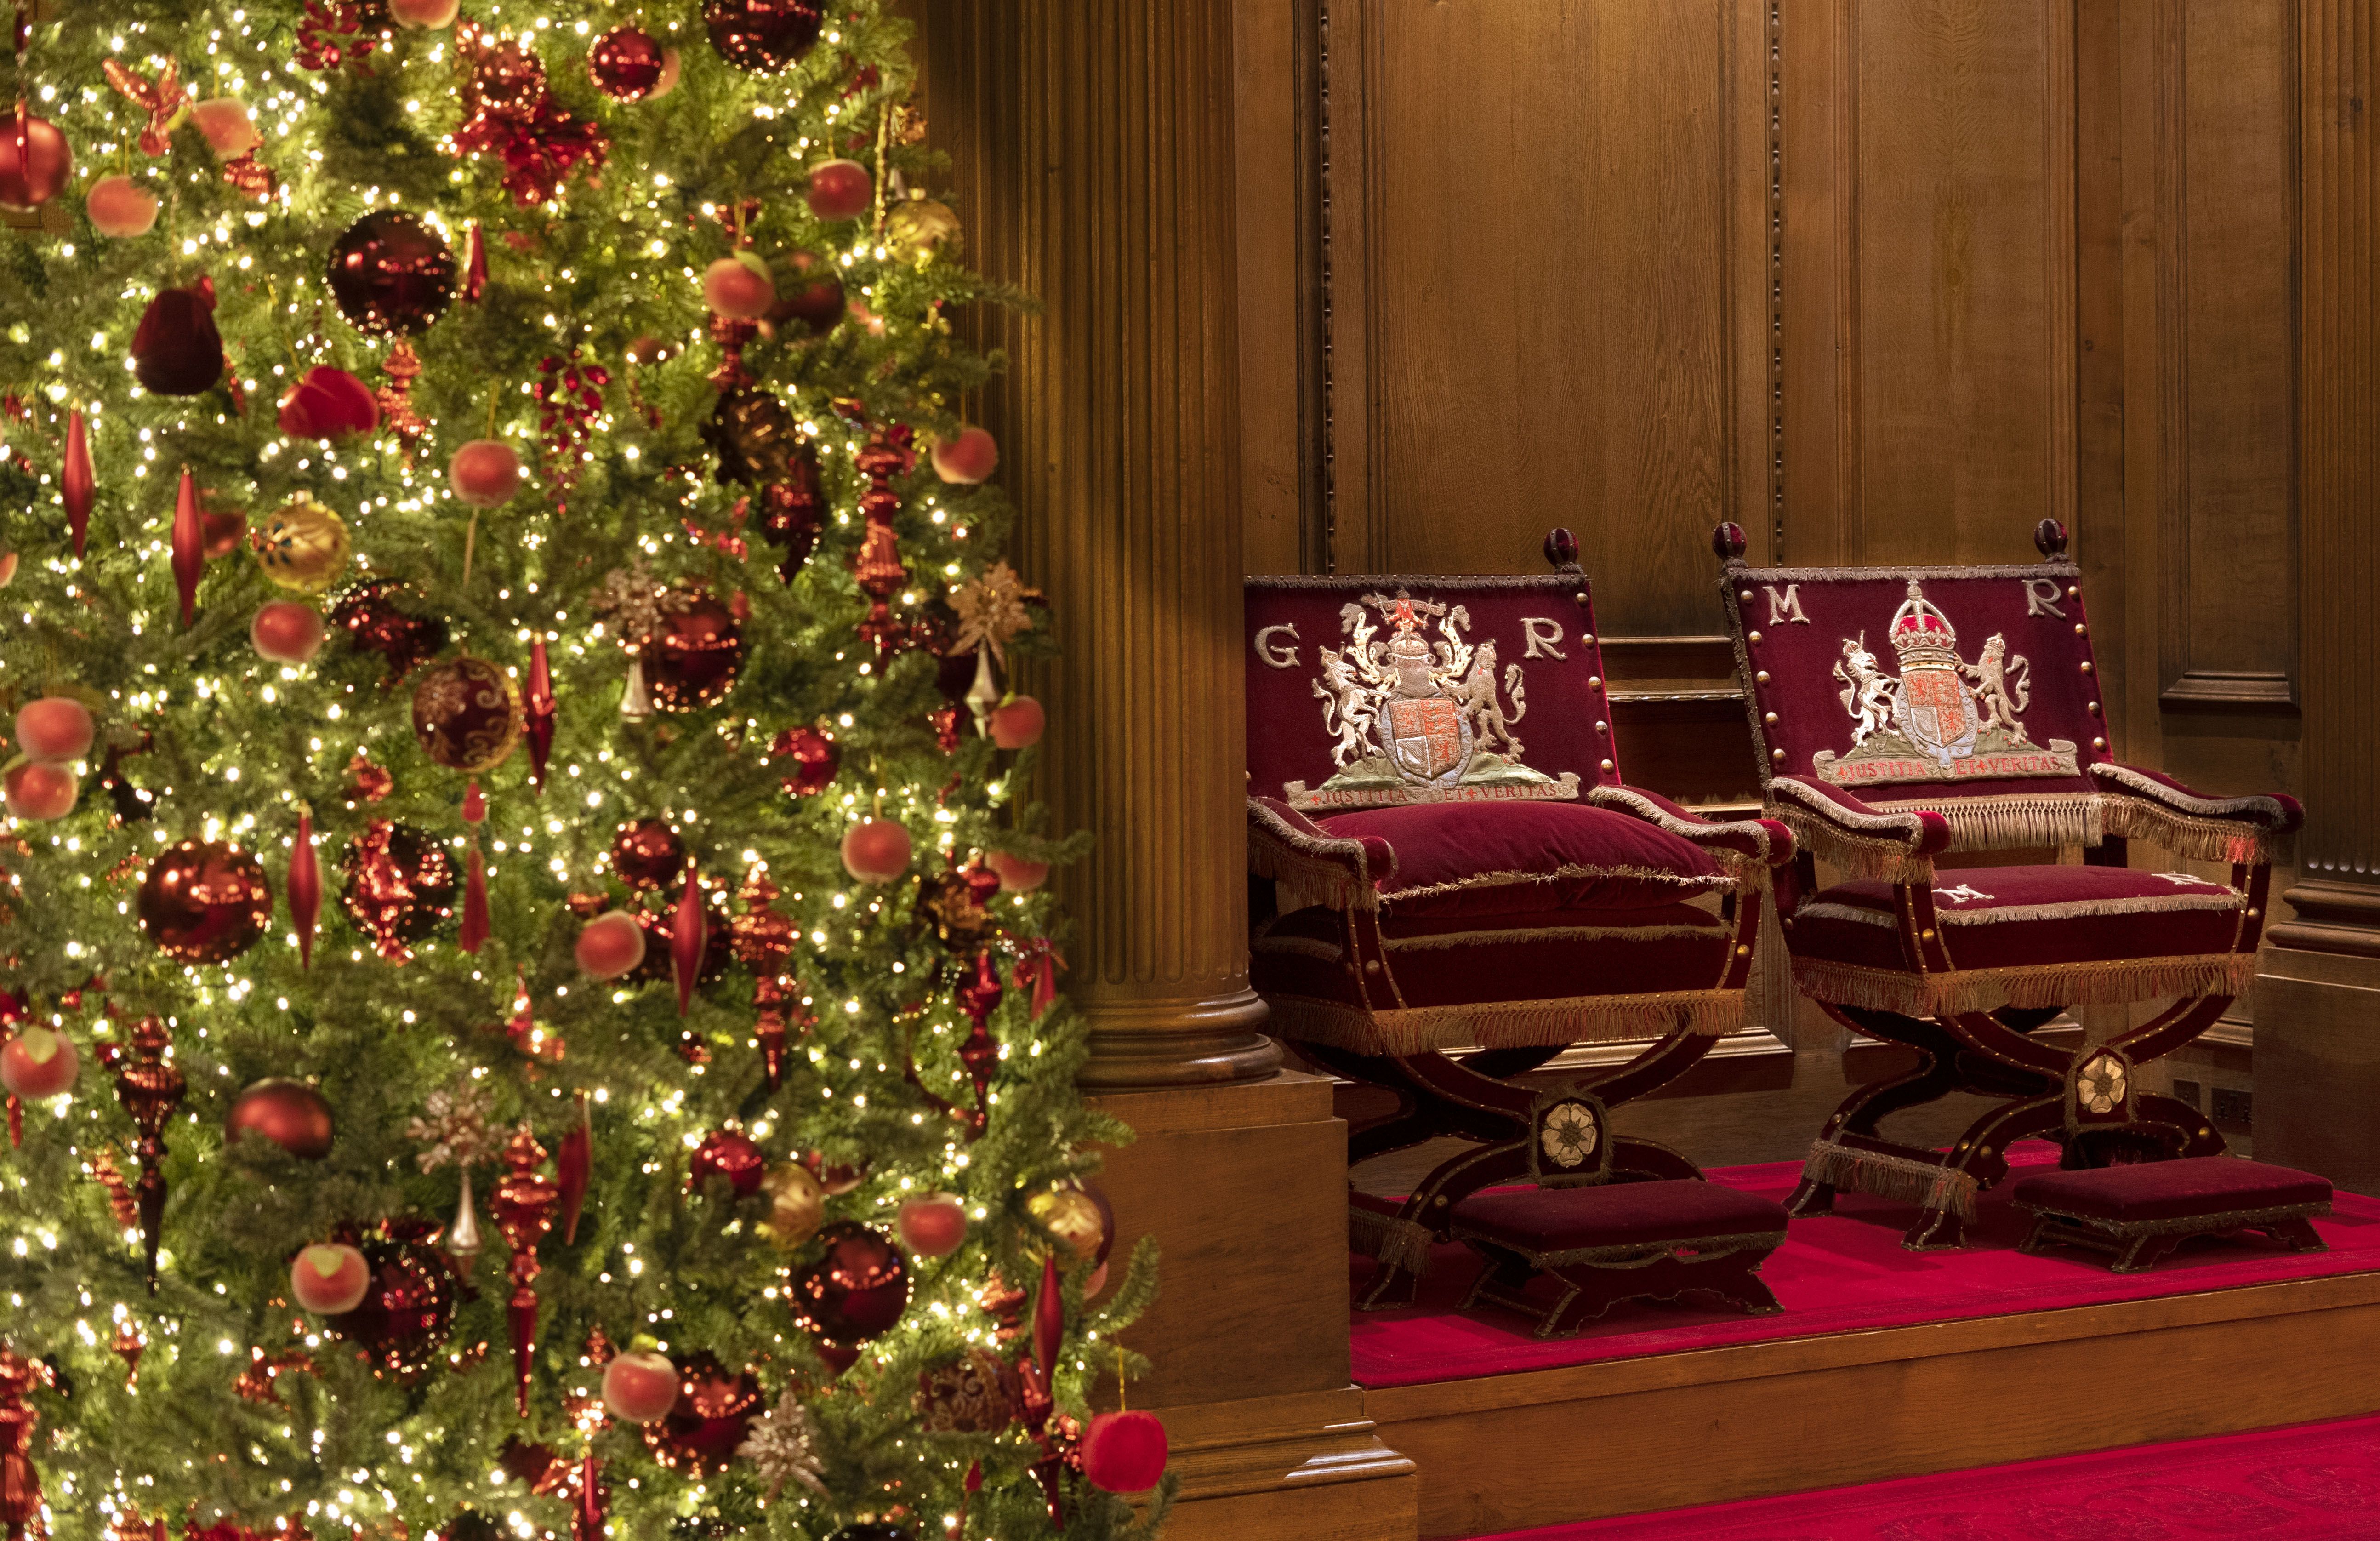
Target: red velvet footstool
point(2141, 1211)
point(1619, 1240)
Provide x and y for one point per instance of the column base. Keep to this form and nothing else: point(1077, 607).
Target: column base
point(1137, 1045)
point(2318, 1061)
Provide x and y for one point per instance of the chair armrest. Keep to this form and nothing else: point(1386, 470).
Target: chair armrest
point(1836, 827)
point(1765, 842)
point(1313, 865)
point(2146, 805)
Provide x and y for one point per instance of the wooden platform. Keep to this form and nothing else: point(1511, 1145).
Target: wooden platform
point(1508, 1452)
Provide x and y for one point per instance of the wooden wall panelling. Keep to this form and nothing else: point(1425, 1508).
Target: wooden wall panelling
point(1278, 49)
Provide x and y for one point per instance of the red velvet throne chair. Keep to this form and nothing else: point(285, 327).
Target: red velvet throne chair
point(1901, 714)
point(1450, 884)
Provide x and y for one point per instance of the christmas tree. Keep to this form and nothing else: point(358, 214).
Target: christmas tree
point(504, 475)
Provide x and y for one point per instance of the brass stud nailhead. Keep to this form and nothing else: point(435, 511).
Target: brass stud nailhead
point(1754, 636)
point(2253, 914)
point(1770, 719)
point(1741, 951)
point(2092, 709)
point(2072, 592)
point(2086, 665)
point(1586, 640)
point(1605, 765)
point(1595, 682)
point(2078, 628)
point(2099, 744)
point(1603, 727)
point(1762, 676)
point(1777, 755)
point(1371, 966)
point(1926, 935)
point(1745, 594)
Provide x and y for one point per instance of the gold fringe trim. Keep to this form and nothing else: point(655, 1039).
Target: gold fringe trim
point(1505, 1025)
point(1398, 1244)
point(2222, 840)
point(1857, 856)
point(1435, 941)
point(1901, 1179)
point(2076, 909)
point(1772, 1000)
point(1306, 880)
point(2014, 821)
point(1683, 882)
point(1982, 990)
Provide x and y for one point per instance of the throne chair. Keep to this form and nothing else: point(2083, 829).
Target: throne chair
point(1899, 714)
point(1450, 884)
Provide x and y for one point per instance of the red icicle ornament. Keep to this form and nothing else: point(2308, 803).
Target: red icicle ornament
point(150, 1089)
point(537, 714)
point(304, 888)
point(689, 935)
point(475, 267)
point(76, 482)
point(473, 932)
point(587, 1509)
point(189, 546)
point(574, 1164)
point(522, 1205)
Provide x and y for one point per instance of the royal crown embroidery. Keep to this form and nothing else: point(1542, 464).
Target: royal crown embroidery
point(1419, 719)
point(1943, 719)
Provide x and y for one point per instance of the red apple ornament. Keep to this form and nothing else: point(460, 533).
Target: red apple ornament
point(40, 791)
point(38, 1063)
point(611, 945)
point(1017, 722)
point(430, 13)
point(641, 1388)
point(229, 131)
point(329, 1279)
point(1125, 1452)
point(485, 473)
point(55, 727)
point(119, 208)
point(1017, 874)
point(839, 190)
point(969, 457)
point(34, 160)
point(875, 850)
point(739, 288)
point(933, 1226)
point(286, 632)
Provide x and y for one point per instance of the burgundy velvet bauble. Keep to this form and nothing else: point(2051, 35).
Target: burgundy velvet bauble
point(34, 161)
point(647, 853)
point(407, 1310)
point(624, 64)
point(286, 632)
point(466, 714)
point(762, 36)
point(694, 655)
point(877, 850)
point(839, 189)
point(204, 903)
point(808, 292)
point(400, 887)
point(811, 759)
point(176, 350)
point(368, 613)
point(856, 1289)
point(714, 1413)
point(731, 1154)
point(291, 1114)
point(1125, 1452)
point(328, 403)
point(392, 274)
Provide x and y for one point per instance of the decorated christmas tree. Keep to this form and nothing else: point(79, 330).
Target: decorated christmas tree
point(529, 999)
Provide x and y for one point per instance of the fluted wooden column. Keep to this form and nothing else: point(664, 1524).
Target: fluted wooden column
point(1092, 143)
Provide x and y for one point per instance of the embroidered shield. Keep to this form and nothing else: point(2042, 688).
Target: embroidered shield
point(1937, 712)
point(1428, 735)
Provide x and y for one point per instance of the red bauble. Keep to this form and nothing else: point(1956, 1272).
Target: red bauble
point(391, 273)
point(933, 1226)
point(729, 1154)
point(839, 190)
point(176, 350)
point(38, 1063)
point(875, 850)
point(430, 13)
point(1017, 723)
point(857, 1288)
point(408, 1309)
point(814, 759)
point(808, 292)
point(611, 944)
point(204, 903)
point(762, 36)
point(400, 887)
point(368, 613)
point(329, 1279)
point(711, 1419)
point(485, 473)
point(120, 208)
point(34, 161)
point(626, 63)
point(1125, 1452)
point(648, 853)
point(224, 122)
point(660, 964)
point(467, 715)
point(40, 791)
point(328, 403)
point(969, 458)
point(54, 727)
point(694, 655)
point(1017, 874)
point(640, 1387)
point(291, 1114)
point(738, 287)
point(286, 632)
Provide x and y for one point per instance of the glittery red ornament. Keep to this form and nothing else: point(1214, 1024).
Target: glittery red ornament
point(400, 887)
point(1125, 1452)
point(856, 1289)
point(694, 655)
point(76, 482)
point(646, 854)
point(291, 1114)
point(410, 1308)
point(466, 714)
point(35, 161)
point(537, 713)
point(729, 1154)
point(204, 903)
point(762, 36)
point(522, 1205)
point(176, 350)
point(624, 64)
point(151, 1088)
point(369, 616)
point(509, 111)
point(714, 1413)
point(20, 1485)
point(305, 886)
point(689, 940)
point(391, 273)
point(660, 927)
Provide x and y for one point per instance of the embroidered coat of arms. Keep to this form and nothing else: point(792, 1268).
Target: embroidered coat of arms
point(1942, 719)
point(1416, 719)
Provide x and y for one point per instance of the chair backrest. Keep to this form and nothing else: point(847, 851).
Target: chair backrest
point(1935, 687)
point(1368, 692)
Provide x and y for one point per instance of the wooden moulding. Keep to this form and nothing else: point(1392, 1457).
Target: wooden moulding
point(1506, 1452)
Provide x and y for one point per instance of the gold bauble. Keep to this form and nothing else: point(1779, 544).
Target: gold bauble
point(796, 1205)
point(919, 228)
point(1076, 1220)
point(304, 547)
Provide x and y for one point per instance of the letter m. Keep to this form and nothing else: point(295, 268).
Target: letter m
point(1786, 606)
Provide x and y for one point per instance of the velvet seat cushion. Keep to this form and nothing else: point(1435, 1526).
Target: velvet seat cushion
point(1997, 917)
point(1542, 1220)
point(1474, 858)
point(2181, 1189)
point(1473, 960)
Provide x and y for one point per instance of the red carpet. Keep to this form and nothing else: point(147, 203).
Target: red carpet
point(1841, 1273)
point(2305, 1484)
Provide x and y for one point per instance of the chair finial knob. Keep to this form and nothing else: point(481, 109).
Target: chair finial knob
point(1728, 542)
point(2049, 539)
point(1561, 547)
